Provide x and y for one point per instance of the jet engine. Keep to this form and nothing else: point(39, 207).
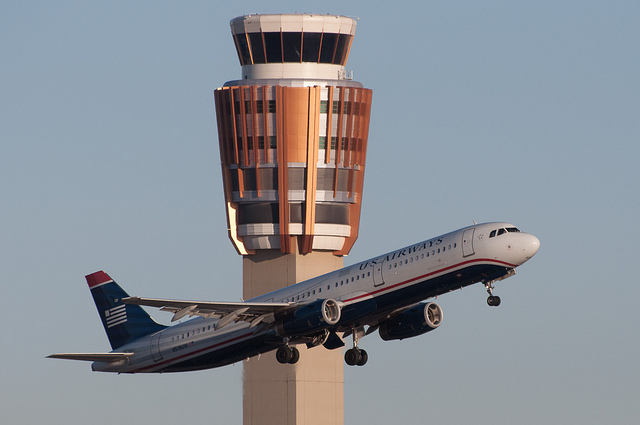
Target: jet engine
point(311, 318)
point(415, 321)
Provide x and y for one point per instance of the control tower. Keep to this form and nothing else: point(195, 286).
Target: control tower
point(293, 140)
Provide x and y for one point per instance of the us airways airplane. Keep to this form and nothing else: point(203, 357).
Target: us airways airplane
point(386, 293)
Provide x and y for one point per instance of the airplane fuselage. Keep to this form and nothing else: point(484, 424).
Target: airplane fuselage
point(368, 293)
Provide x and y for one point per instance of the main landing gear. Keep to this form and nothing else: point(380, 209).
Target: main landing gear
point(492, 300)
point(286, 354)
point(355, 356)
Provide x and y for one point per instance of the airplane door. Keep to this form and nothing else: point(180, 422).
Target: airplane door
point(377, 274)
point(155, 347)
point(467, 242)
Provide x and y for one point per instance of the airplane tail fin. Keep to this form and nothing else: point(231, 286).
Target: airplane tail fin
point(122, 322)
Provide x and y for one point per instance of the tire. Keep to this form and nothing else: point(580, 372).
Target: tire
point(363, 358)
point(352, 356)
point(295, 356)
point(284, 354)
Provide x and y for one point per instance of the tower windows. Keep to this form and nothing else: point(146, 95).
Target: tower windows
point(292, 47)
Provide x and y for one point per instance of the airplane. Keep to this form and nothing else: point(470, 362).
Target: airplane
point(387, 294)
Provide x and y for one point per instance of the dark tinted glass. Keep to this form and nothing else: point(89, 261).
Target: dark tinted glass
point(274, 48)
point(328, 46)
point(244, 49)
point(311, 46)
point(341, 51)
point(292, 46)
point(256, 47)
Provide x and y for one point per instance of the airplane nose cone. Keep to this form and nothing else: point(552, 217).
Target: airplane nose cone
point(530, 246)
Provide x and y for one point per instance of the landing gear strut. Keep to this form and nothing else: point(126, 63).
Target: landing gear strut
point(492, 300)
point(355, 356)
point(286, 354)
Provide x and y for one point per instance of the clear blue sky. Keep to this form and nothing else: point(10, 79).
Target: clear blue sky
point(498, 110)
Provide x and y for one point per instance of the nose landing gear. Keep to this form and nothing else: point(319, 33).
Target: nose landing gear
point(492, 300)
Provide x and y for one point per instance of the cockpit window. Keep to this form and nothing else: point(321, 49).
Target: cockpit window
point(499, 232)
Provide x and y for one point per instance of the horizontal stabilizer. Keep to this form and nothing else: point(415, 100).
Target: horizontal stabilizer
point(92, 357)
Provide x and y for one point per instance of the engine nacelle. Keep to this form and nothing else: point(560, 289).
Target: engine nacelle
point(416, 321)
point(311, 318)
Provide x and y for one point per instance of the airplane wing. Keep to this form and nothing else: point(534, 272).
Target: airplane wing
point(227, 312)
point(92, 357)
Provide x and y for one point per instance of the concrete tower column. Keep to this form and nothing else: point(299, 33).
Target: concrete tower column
point(293, 138)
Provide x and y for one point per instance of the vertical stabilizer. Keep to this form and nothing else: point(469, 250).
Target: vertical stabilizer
point(122, 322)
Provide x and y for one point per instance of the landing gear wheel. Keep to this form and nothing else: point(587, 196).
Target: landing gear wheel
point(493, 300)
point(284, 354)
point(295, 356)
point(352, 356)
point(363, 358)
